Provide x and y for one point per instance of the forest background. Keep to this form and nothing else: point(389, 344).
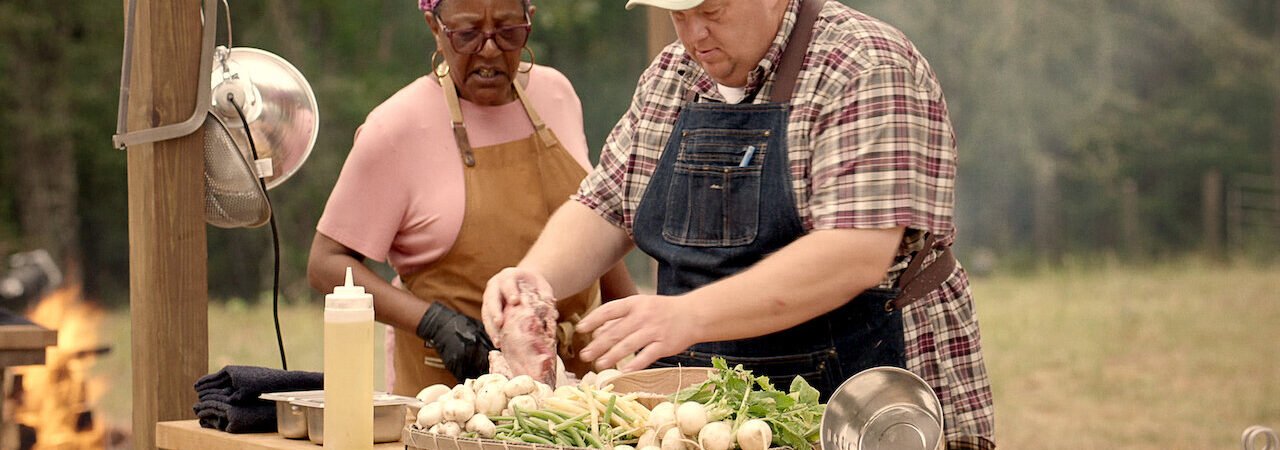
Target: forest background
point(1133, 129)
point(1117, 191)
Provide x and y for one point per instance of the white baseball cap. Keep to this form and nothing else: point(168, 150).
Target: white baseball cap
point(674, 5)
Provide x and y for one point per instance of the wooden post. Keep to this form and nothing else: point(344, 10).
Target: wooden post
point(168, 286)
point(1129, 226)
point(1211, 203)
point(1046, 230)
point(1275, 133)
point(661, 32)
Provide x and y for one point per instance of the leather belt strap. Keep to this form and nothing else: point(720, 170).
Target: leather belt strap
point(915, 283)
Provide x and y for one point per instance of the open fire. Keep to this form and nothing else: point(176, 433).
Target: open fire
point(55, 398)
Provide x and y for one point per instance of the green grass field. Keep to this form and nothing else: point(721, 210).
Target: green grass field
point(1182, 355)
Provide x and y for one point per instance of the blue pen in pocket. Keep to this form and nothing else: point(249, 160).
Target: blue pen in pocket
point(746, 158)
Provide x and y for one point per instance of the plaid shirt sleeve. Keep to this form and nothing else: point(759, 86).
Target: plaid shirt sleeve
point(602, 189)
point(883, 153)
point(631, 151)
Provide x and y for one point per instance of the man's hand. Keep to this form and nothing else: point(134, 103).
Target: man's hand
point(460, 340)
point(653, 325)
point(502, 291)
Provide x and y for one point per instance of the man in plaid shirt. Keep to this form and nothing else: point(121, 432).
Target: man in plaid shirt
point(790, 164)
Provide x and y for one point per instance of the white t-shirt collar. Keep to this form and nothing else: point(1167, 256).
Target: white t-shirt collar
point(732, 95)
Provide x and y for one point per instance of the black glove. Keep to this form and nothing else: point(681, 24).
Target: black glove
point(460, 340)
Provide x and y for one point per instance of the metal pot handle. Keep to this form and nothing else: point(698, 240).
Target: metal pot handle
point(1251, 435)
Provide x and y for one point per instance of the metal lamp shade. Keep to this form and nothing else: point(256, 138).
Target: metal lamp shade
point(280, 109)
point(277, 102)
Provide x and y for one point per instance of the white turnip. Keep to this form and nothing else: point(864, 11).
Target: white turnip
point(648, 439)
point(662, 417)
point(716, 436)
point(691, 417)
point(754, 434)
point(673, 440)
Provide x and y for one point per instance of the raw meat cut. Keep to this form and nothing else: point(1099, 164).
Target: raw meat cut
point(528, 338)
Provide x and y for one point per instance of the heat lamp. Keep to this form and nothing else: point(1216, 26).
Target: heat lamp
point(260, 120)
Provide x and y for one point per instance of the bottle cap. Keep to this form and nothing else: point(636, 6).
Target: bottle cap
point(348, 296)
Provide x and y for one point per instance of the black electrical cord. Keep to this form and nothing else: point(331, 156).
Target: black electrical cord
point(275, 238)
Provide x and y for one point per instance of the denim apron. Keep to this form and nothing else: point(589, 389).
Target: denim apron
point(721, 200)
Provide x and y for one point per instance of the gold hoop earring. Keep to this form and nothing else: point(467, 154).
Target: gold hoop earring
point(527, 49)
point(436, 67)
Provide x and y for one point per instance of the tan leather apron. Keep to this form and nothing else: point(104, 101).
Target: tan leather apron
point(511, 190)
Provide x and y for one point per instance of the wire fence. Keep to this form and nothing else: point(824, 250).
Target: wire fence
point(1253, 213)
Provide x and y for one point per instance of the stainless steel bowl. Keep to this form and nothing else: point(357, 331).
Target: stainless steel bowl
point(291, 419)
point(389, 417)
point(882, 408)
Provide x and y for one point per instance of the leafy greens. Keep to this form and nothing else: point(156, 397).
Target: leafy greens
point(735, 394)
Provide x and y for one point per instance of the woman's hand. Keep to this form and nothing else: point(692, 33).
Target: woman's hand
point(460, 341)
point(502, 291)
point(653, 325)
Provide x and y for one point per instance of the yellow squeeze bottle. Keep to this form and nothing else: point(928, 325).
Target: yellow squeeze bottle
point(348, 367)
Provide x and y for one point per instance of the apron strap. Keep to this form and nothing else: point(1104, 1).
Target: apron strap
point(915, 283)
point(539, 127)
point(460, 132)
point(797, 48)
point(455, 115)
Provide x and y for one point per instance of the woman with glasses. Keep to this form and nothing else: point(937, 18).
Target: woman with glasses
point(452, 179)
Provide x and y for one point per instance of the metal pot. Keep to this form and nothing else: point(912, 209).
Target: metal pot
point(883, 408)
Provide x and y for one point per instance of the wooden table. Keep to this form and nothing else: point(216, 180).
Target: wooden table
point(23, 343)
point(187, 434)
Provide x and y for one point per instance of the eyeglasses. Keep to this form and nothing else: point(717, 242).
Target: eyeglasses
point(470, 41)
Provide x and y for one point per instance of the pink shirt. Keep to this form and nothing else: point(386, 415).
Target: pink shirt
point(400, 197)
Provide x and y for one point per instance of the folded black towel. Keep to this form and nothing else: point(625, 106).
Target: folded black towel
point(248, 382)
point(220, 398)
point(255, 418)
point(225, 392)
point(228, 398)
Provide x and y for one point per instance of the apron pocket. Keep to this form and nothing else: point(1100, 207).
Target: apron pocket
point(714, 196)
